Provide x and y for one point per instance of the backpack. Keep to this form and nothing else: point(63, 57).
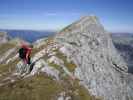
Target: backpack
point(22, 53)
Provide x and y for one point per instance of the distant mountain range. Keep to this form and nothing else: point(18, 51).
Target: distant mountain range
point(28, 35)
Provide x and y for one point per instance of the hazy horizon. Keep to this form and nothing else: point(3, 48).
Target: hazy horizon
point(115, 15)
point(50, 30)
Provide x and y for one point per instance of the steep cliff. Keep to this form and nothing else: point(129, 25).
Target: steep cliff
point(99, 65)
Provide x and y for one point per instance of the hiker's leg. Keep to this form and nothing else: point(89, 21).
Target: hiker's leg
point(23, 68)
point(27, 68)
point(31, 64)
point(20, 67)
point(25, 61)
point(29, 60)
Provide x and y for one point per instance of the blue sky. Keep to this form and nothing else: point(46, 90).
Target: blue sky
point(115, 15)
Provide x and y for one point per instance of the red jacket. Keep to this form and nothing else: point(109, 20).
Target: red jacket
point(28, 52)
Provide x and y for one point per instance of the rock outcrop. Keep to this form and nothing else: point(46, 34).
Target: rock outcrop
point(99, 65)
point(3, 37)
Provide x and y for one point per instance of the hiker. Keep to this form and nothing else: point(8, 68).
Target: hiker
point(24, 54)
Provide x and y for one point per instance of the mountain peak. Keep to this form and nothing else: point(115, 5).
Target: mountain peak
point(84, 24)
point(92, 18)
point(98, 63)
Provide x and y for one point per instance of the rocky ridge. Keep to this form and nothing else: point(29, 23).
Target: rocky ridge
point(50, 67)
point(78, 63)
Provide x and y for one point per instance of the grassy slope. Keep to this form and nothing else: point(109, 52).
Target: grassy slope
point(5, 69)
point(42, 87)
point(5, 47)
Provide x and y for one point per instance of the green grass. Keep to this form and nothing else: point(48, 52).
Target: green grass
point(5, 47)
point(55, 66)
point(39, 87)
point(6, 69)
point(11, 55)
point(75, 90)
point(42, 87)
point(70, 65)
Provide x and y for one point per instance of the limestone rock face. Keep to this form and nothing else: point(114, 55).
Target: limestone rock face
point(99, 66)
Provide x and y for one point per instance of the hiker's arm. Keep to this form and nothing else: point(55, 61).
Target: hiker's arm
point(28, 54)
